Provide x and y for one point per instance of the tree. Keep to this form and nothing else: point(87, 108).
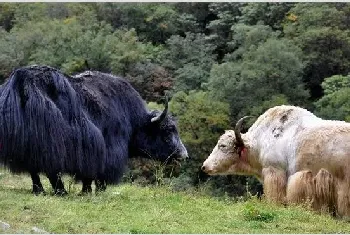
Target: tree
point(274, 68)
point(246, 37)
point(227, 15)
point(154, 22)
point(68, 43)
point(7, 12)
point(125, 50)
point(35, 12)
point(271, 14)
point(152, 81)
point(200, 118)
point(189, 59)
point(201, 121)
point(320, 30)
point(193, 17)
point(335, 102)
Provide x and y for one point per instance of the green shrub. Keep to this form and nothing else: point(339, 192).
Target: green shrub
point(252, 213)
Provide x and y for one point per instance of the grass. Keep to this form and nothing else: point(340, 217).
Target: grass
point(132, 209)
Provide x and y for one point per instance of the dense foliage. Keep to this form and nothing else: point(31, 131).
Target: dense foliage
point(216, 61)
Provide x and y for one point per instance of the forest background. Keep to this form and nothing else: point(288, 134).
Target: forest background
point(216, 61)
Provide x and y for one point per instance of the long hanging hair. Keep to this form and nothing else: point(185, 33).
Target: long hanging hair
point(44, 127)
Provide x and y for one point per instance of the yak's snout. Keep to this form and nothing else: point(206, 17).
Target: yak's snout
point(207, 169)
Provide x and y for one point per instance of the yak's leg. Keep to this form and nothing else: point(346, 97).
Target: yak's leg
point(86, 186)
point(343, 201)
point(274, 183)
point(325, 192)
point(300, 188)
point(37, 186)
point(100, 185)
point(57, 184)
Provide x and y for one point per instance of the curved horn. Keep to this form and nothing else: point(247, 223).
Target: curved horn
point(163, 114)
point(239, 140)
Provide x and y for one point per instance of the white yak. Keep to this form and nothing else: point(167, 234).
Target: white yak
point(283, 141)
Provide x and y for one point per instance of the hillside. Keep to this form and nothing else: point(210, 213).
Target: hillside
point(133, 209)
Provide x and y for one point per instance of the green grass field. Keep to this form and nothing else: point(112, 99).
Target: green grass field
point(133, 209)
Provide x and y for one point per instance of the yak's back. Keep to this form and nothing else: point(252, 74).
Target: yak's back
point(109, 96)
point(279, 119)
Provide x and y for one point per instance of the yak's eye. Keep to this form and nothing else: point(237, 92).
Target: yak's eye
point(222, 146)
point(171, 129)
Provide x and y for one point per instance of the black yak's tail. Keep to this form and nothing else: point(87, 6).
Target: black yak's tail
point(43, 126)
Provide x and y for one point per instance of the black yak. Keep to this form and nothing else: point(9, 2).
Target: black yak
point(87, 125)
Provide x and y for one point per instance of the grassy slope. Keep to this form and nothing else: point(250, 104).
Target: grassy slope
point(133, 209)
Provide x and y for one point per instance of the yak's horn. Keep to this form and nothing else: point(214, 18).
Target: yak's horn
point(239, 140)
point(163, 114)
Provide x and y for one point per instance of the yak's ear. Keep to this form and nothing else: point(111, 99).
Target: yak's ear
point(160, 118)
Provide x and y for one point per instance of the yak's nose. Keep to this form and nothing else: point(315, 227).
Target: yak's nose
point(207, 169)
point(184, 153)
point(185, 157)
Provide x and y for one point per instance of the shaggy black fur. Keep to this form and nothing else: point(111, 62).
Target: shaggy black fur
point(87, 125)
point(120, 113)
point(44, 127)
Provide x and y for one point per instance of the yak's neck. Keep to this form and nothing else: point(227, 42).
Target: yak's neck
point(252, 157)
point(140, 119)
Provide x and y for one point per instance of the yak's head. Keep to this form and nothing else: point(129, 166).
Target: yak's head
point(159, 139)
point(229, 155)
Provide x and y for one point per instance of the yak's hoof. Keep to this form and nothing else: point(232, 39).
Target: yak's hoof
point(100, 186)
point(85, 193)
point(86, 190)
point(100, 189)
point(60, 192)
point(38, 191)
